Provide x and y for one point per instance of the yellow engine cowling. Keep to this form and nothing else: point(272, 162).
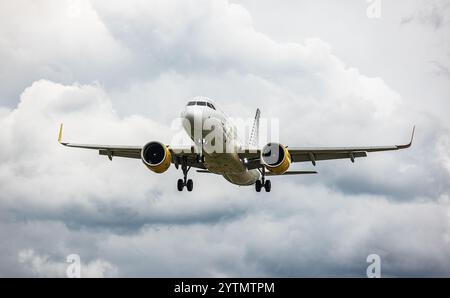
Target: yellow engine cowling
point(156, 157)
point(276, 158)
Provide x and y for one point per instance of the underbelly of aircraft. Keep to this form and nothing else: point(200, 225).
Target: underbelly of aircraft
point(231, 168)
point(246, 178)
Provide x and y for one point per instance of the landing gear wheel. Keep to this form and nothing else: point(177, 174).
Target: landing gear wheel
point(258, 185)
point(184, 182)
point(267, 186)
point(180, 184)
point(189, 185)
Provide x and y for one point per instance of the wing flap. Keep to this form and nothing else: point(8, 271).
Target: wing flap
point(121, 153)
point(306, 156)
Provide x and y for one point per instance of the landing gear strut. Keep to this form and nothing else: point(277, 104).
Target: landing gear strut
point(181, 183)
point(200, 158)
point(259, 184)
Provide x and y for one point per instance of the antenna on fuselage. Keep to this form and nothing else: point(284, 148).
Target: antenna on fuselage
point(254, 134)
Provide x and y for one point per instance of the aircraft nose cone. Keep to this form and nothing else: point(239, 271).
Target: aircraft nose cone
point(193, 115)
point(193, 120)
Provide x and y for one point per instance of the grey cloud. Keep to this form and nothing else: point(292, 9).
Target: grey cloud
point(119, 218)
point(434, 13)
point(123, 219)
point(306, 231)
point(44, 245)
point(441, 69)
point(77, 49)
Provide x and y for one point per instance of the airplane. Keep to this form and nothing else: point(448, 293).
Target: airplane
point(243, 165)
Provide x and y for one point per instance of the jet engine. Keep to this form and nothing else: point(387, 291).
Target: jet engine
point(156, 157)
point(276, 158)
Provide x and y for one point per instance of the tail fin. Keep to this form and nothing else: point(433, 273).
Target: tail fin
point(254, 134)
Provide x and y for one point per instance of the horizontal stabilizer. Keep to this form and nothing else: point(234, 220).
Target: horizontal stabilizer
point(292, 173)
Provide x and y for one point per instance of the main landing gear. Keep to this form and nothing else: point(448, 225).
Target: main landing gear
point(259, 184)
point(181, 183)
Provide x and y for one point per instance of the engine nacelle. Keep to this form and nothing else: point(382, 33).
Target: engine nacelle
point(156, 157)
point(276, 158)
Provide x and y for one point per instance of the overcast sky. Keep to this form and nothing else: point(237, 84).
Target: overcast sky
point(119, 72)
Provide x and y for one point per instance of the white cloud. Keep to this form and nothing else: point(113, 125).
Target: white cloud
point(64, 41)
point(42, 266)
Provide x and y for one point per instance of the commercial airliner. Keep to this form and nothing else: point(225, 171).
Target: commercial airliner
point(224, 154)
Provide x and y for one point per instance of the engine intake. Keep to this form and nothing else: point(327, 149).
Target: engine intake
point(156, 157)
point(276, 158)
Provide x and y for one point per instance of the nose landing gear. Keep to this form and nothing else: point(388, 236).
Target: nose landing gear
point(181, 183)
point(259, 184)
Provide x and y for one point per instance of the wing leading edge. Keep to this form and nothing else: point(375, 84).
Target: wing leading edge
point(314, 154)
point(133, 151)
point(108, 150)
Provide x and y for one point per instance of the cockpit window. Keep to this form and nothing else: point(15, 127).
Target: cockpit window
point(201, 103)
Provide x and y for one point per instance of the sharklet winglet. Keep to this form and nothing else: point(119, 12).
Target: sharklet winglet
point(60, 136)
point(410, 142)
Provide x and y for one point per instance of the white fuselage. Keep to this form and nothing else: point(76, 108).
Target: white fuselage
point(216, 137)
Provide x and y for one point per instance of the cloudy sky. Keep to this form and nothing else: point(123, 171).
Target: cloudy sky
point(119, 72)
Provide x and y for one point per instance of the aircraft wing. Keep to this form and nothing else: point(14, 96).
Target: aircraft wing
point(314, 154)
point(134, 151)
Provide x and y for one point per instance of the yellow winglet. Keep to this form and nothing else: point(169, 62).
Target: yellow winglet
point(60, 133)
